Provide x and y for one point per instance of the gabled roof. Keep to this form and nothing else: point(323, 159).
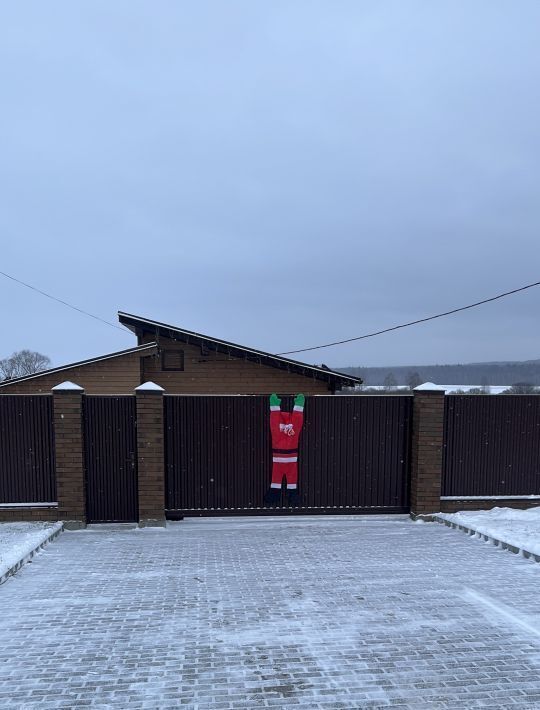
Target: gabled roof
point(145, 325)
point(147, 349)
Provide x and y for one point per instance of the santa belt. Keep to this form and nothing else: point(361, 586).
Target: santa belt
point(284, 455)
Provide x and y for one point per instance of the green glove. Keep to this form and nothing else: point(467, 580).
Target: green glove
point(299, 400)
point(275, 400)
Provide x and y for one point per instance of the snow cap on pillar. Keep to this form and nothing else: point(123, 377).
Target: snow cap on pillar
point(67, 386)
point(149, 388)
point(429, 387)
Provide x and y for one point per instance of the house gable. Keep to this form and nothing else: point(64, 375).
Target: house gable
point(212, 365)
point(207, 372)
point(115, 373)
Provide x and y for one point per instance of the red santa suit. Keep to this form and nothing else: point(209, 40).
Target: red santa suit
point(285, 428)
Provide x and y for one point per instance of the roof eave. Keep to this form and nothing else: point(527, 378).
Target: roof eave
point(189, 337)
point(139, 349)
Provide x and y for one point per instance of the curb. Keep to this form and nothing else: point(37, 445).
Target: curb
point(488, 538)
point(59, 528)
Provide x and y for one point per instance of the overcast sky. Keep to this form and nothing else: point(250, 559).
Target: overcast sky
point(278, 174)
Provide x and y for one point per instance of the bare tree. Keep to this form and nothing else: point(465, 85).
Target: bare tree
point(24, 362)
point(413, 380)
point(390, 381)
point(521, 388)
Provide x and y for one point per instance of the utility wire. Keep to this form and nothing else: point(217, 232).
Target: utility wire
point(299, 350)
point(64, 303)
point(413, 322)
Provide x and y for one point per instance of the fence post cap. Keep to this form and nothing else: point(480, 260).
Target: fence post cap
point(430, 387)
point(149, 387)
point(67, 386)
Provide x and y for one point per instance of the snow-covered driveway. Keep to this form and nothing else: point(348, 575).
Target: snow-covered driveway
point(327, 612)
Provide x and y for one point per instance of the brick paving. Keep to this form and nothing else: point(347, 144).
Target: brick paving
point(304, 612)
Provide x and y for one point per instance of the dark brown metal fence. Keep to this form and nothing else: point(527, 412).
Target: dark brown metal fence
point(26, 449)
point(111, 459)
point(354, 453)
point(491, 445)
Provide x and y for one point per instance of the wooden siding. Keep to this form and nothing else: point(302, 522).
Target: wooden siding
point(118, 375)
point(216, 373)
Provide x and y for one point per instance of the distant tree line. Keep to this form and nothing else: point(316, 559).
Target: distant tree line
point(518, 388)
point(482, 373)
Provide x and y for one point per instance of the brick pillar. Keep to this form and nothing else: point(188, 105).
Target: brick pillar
point(151, 456)
point(69, 454)
point(427, 446)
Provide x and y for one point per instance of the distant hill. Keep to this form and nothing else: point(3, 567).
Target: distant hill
point(474, 373)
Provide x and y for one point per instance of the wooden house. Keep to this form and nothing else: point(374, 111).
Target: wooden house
point(184, 362)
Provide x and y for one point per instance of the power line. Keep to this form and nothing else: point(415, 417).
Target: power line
point(64, 303)
point(413, 322)
point(299, 350)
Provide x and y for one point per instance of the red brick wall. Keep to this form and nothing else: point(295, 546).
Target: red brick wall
point(12, 515)
point(426, 468)
point(68, 438)
point(151, 458)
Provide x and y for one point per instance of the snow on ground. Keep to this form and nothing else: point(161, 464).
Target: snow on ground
point(307, 613)
point(19, 539)
point(520, 528)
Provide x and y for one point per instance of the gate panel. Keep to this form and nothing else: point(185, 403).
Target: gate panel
point(111, 459)
point(27, 466)
point(354, 453)
point(491, 445)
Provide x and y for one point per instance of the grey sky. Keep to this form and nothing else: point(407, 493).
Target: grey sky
point(277, 174)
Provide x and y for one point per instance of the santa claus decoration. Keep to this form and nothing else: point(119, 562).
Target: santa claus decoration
point(285, 428)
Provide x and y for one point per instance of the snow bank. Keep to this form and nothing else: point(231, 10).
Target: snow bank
point(520, 528)
point(18, 540)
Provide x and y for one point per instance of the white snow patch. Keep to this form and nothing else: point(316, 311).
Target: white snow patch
point(149, 387)
point(531, 497)
point(449, 389)
point(67, 385)
point(520, 528)
point(17, 540)
point(429, 387)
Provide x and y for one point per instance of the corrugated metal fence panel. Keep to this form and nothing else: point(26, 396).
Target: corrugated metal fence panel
point(111, 459)
point(27, 469)
point(354, 452)
point(491, 445)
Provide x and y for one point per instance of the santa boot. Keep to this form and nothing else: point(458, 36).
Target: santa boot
point(272, 497)
point(294, 498)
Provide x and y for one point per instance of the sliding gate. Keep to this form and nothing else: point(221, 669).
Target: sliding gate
point(354, 454)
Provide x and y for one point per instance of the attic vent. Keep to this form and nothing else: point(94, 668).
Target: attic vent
point(172, 360)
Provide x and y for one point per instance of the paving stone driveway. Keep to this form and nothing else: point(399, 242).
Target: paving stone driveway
point(340, 612)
